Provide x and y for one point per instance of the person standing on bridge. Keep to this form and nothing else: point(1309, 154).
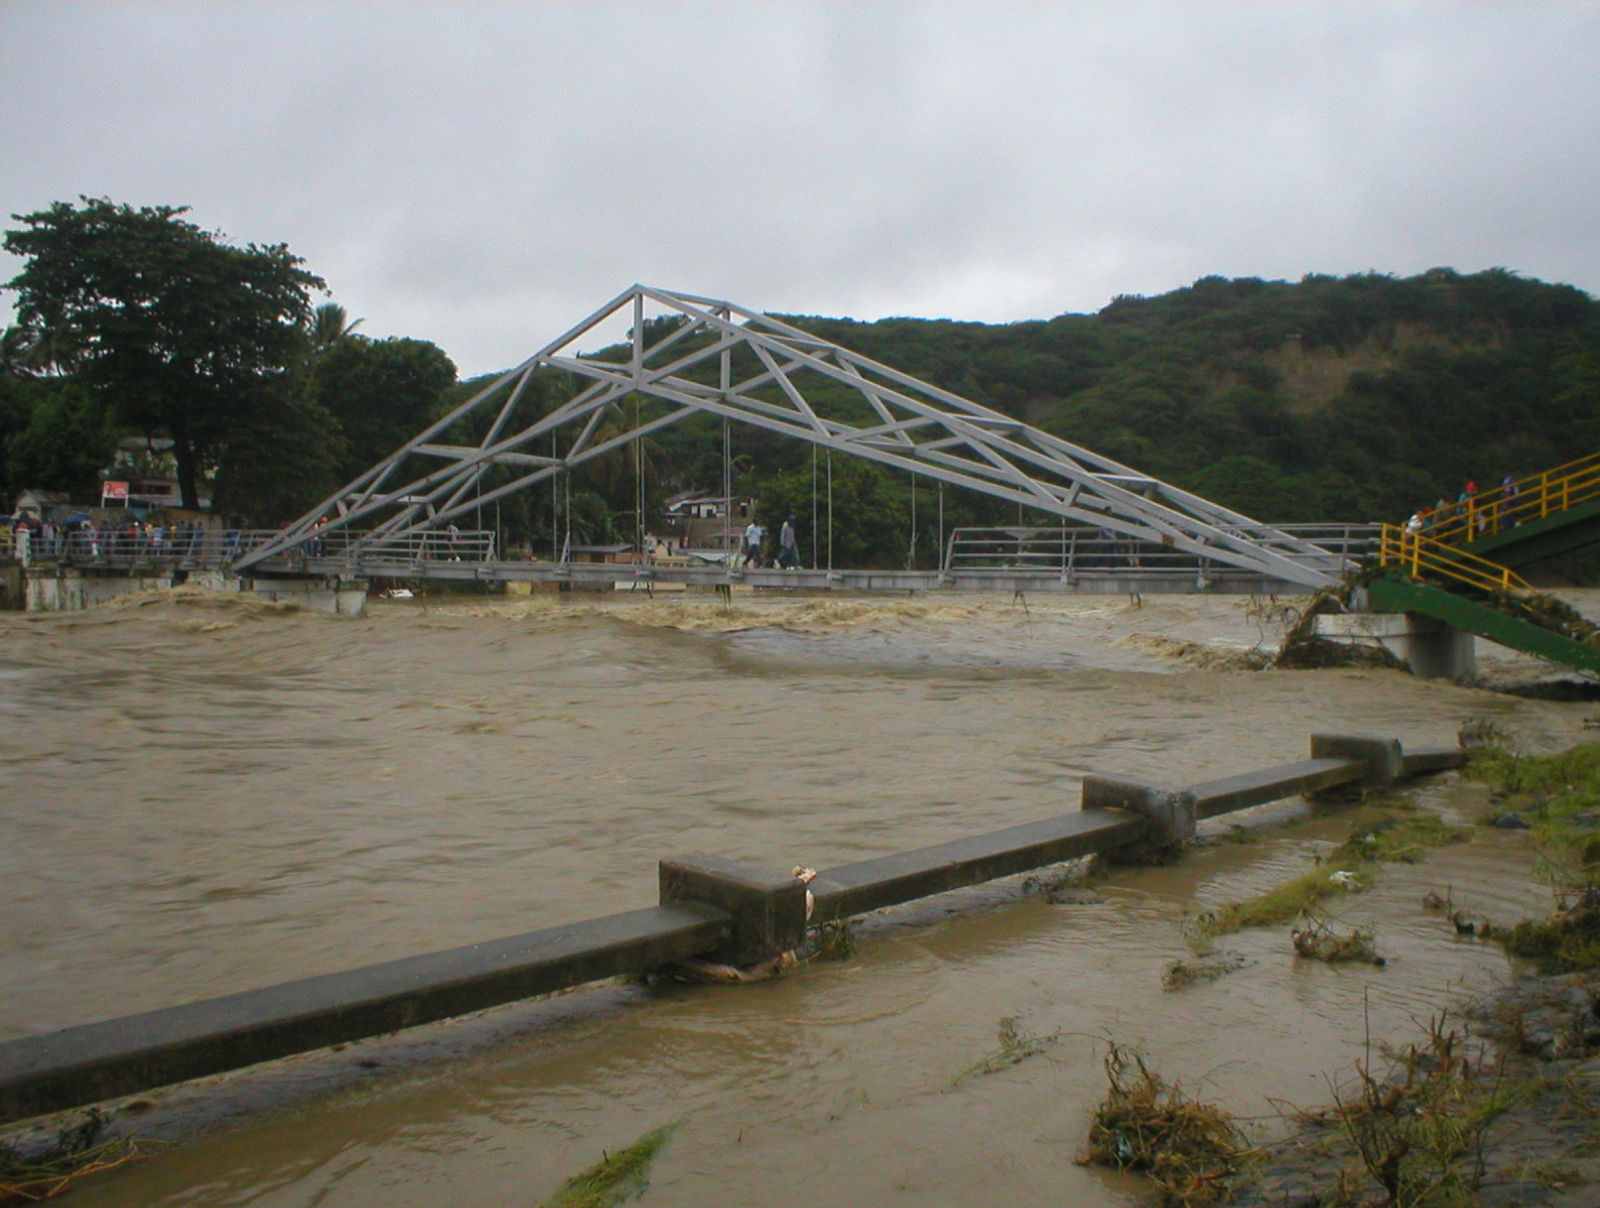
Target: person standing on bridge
point(1508, 501)
point(788, 550)
point(753, 534)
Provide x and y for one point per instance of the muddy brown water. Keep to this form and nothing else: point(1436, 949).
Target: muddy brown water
point(203, 796)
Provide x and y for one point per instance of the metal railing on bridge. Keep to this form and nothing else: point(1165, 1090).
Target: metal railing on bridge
point(1073, 551)
point(1531, 498)
point(1424, 557)
point(203, 549)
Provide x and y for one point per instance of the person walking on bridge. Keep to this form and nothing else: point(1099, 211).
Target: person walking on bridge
point(788, 550)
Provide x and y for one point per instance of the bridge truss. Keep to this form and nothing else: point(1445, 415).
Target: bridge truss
point(688, 356)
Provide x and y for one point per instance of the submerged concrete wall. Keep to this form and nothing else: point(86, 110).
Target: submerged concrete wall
point(346, 597)
point(68, 589)
point(709, 908)
point(72, 591)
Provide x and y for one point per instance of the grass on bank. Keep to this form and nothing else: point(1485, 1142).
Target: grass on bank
point(1558, 798)
point(1402, 835)
point(1420, 1124)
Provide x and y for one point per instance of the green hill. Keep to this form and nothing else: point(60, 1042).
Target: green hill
point(1332, 398)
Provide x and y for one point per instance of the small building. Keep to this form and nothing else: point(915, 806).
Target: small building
point(602, 553)
point(696, 520)
point(54, 506)
point(144, 476)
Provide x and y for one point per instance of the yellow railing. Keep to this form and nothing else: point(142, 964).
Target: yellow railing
point(1425, 557)
point(1530, 498)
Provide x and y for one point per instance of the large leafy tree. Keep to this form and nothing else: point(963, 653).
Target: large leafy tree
point(380, 392)
point(172, 329)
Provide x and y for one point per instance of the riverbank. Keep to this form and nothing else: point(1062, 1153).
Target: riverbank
point(1480, 1111)
point(1497, 1100)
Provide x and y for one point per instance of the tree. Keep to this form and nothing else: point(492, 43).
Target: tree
point(165, 324)
point(65, 445)
point(328, 325)
point(381, 393)
point(282, 456)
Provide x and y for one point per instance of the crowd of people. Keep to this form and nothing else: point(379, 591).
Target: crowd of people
point(1476, 511)
point(26, 538)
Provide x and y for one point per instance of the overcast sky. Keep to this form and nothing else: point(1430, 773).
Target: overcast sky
point(485, 175)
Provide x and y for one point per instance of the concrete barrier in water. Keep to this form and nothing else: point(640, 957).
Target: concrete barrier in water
point(709, 908)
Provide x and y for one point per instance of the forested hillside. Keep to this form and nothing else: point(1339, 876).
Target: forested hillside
point(1332, 398)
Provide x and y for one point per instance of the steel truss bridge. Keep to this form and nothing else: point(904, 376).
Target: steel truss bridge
point(686, 356)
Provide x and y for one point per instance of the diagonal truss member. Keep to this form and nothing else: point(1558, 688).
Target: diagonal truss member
point(716, 358)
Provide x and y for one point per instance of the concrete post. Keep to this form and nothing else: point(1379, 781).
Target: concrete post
point(1384, 760)
point(768, 910)
point(1169, 814)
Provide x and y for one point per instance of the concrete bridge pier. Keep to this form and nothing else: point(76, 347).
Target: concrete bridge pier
point(1432, 649)
point(339, 595)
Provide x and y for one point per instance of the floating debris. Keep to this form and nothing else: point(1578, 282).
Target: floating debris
point(77, 1152)
point(833, 941)
point(1320, 941)
point(616, 1177)
point(1303, 649)
point(1190, 1150)
point(1568, 941)
point(1182, 973)
point(1017, 1044)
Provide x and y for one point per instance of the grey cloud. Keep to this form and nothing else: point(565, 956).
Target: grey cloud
point(483, 175)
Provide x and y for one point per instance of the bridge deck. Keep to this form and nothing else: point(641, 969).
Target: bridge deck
point(994, 560)
point(1123, 580)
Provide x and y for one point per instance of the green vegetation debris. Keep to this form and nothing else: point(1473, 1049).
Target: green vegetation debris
point(1322, 941)
point(1191, 1150)
point(1017, 1044)
point(1284, 904)
point(1558, 797)
point(1348, 868)
point(833, 941)
point(1182, 973)
point(1566, 942)
point(1402, 839)
point(617, 1177)
point(1548, 612)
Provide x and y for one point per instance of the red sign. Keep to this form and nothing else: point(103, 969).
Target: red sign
point(113, 490)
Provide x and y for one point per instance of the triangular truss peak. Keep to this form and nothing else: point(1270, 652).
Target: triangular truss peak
point(688, 355)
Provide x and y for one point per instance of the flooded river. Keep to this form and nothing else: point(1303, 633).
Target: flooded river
point(206, 796)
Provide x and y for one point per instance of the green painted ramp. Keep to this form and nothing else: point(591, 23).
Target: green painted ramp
point(1484, 619)
point(1531, 541)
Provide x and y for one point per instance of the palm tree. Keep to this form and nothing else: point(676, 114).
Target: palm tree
point(328, 325)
